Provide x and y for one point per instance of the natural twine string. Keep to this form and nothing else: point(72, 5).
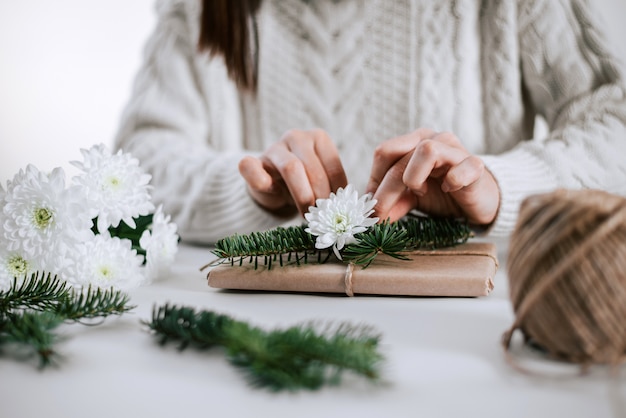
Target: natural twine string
point(567, 275)
point(347, 279)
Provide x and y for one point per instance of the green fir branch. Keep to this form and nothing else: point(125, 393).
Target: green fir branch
point(408, 234)
point(431, 233)
point(40, 292)
point(32, 308)
point(34, 330)
point(385, 238)
point(299, 357)
point(93, 303)
point(293, 240)
point(296, 245)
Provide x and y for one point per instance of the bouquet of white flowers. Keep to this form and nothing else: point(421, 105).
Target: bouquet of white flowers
point(101, 230)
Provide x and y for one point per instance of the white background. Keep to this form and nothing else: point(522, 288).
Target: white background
point(66, 69)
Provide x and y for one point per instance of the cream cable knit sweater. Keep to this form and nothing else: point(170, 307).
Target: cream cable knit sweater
point(368, 70)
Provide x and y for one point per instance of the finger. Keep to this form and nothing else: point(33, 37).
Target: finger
point(328, 154)
point(479, 195)
point(391, 188)
point(253, 172)
point(265, 186)
point(403, 205)
point(447, 138)
point(390, 151)
point(463, 175)
point(293, 173)
point(430, 159)
point(302, 145)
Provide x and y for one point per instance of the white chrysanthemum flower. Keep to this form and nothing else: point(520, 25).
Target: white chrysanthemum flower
point(14, 265)
point(337, 219)
point(41, 214)
point(105, 262)
point(118, 189)
point(160, 241)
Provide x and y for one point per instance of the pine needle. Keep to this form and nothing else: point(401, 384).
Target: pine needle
point(299, 357)
point(298, 246)
point(290, 240)
point(31, 309)
point(39, 292)
point(93, 303)
point(34, 330)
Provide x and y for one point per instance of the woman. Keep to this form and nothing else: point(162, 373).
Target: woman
point(245, 112)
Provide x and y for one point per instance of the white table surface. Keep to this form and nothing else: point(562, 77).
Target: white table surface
point(443, 359)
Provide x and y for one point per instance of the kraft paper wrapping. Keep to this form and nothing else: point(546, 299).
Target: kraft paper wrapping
point(466, 270)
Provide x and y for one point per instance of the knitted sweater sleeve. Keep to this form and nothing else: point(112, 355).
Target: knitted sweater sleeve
point(183, 123)
point(577, 86)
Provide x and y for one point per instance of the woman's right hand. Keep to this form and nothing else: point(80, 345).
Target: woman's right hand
point(293, 173)
point(434, 173)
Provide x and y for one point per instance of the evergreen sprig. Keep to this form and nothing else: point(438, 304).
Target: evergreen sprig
point(271, 245)
point(384, 238)
point(393, 239)
point(94, 303)
point(430, 233)
point(299, 357)
point(40, 292)
point(32, 329)
point(31, 309)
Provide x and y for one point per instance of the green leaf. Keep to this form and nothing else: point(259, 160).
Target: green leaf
point(123, 231)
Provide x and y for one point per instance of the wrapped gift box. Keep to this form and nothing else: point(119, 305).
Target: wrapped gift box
point(463, 271)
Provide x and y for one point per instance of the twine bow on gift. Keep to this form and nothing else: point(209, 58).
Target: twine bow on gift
point(347, 279)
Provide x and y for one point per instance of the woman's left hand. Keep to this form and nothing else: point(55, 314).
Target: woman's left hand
point(433, 173)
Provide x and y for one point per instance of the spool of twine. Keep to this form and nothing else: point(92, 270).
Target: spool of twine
point(567, 275)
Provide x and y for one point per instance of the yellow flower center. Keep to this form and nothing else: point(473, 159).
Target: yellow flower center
point(106, 272)
point(42, 217)
point(17, 266)
point(112, 183)
point(341, 222)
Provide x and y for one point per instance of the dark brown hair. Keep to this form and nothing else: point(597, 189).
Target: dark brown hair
point(227, 29)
